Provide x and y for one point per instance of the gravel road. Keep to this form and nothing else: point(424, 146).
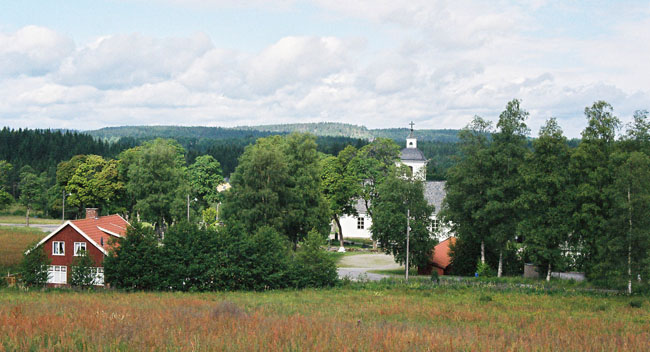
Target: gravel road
point(356, 267)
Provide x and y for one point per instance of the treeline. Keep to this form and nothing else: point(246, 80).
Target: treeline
point(584, 208)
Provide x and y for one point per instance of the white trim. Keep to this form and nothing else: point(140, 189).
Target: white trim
point(101, 249)
point(109, 232)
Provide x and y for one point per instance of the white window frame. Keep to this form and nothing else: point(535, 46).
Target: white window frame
point(98, 276)
point(54, 248)
point(361, 223)
point(78, 246)
point(57, 274)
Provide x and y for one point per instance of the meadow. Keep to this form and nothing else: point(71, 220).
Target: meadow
point(354, 317)
point(13, 242)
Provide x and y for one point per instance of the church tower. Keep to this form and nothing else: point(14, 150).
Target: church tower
point(413, 157)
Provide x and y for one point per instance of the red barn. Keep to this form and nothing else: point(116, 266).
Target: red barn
point(91, 234)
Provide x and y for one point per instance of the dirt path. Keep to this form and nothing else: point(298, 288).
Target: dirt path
point(357, 266)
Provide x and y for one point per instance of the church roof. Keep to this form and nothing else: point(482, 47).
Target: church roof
point(434, 193)
point(412, 154)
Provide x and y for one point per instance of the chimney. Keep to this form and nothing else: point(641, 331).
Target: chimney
point(91, 213)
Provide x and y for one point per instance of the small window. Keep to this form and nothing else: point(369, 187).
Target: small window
point(78, 247)
point(435, 224)
point(361, 223)
point(58, 248)
point(410, 143)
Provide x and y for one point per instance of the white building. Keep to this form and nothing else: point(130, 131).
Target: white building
point(434, 192)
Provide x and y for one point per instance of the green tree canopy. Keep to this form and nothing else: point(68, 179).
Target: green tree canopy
point(547, 197)
point(157, 179)
point(205, 176)
point(398, 196)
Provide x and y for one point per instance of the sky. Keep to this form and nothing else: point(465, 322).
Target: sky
point(89, 64)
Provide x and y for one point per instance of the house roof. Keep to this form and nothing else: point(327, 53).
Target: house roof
point(412, 154)
point(104, 226)
point(434, 193)
point(441, 257)
point(94, 229)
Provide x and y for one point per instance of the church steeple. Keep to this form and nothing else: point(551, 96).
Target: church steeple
point(411, 141)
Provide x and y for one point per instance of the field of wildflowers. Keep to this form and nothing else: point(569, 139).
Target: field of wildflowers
point(355, 317)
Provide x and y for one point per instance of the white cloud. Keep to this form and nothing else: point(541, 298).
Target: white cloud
point(440, 63)
point(32, 51)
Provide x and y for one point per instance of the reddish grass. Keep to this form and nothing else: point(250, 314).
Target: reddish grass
point(328, 320)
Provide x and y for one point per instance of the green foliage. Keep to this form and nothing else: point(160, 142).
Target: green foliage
point(547, 197)
point(592, 171)
point(252, 262)
point(484, 269)
point(157, 179)
point(209, 216)
point(340, 185)
point(188, 258)
point(31, 189)
point(33, 268)
point(312, 267)
point(636, 303)
point(134, 263)
point(434, 276)
point(93, 183)
point(396, 197)
point(5, 199)
point(277, 184)
point(82, 270)
point(205, 176)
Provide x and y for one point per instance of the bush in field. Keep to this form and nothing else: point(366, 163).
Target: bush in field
point(33, 267)
point(188, 257)
point(81, 272)
point(135, 262)
point(484, 270)
point(252, 262)
point(312, 267)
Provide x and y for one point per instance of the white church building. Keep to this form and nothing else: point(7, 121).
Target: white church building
point(434, 192)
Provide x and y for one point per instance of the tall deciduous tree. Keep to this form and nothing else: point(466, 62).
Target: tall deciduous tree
point(507, 152)
point(466, 192)
point(631, 239)
point(157, 179)
point(33, 267)
point(277, 184)
point(31, 189)
point(205, 176)
point(397, 197)
point(592, 171)
point(340, 185)
point(546, 198)
point(94, 183)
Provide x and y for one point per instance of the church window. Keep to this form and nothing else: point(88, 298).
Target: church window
point(361, 223)
point(410, 143)
point(435, 224)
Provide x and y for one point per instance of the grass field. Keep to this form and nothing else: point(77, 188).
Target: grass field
point(358, 317)
point(15, 219)
point(13, 242)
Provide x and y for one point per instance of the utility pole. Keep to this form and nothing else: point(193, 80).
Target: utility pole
point(408, 233)
point(188, 207)
point(63, 208)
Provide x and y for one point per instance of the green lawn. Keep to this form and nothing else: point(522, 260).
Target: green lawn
point(384, 316)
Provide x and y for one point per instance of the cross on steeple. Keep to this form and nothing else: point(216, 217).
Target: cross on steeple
point(412, 124)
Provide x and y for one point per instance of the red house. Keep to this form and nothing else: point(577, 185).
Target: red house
point(91, 234)
point(440, 260)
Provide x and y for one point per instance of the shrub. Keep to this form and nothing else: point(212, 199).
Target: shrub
point(312, 266)
point(33, 267)
point(81, 272)
point(484, 270)
point(135, 262)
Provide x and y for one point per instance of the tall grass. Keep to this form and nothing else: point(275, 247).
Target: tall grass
point(13, 243)
point(401, 318)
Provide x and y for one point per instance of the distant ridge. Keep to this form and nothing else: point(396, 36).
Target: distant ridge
point(331, 129)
